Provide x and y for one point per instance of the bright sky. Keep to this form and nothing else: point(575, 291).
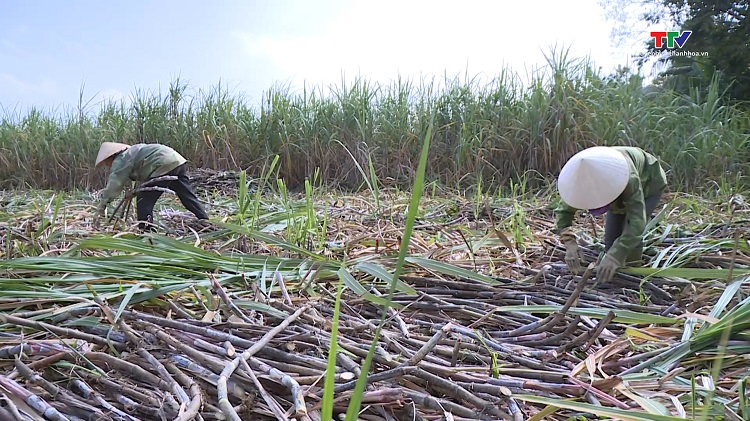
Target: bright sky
point(49, 49)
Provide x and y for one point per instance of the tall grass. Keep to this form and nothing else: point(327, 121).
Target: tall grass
point(490, 130)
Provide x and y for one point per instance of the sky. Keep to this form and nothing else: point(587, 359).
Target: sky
point(51, 50)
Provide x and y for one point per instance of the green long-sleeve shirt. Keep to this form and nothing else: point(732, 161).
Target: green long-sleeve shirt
point(647, 178)
point(140, 162)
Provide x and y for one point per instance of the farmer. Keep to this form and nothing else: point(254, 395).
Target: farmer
point(626, 183)
point(143, 162)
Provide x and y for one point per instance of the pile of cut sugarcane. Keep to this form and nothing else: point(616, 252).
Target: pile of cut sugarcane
point(232, 323)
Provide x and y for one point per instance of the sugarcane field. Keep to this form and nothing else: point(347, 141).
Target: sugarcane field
point(449, 297)
point(299, 241)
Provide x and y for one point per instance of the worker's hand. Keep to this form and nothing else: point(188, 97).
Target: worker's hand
point(572, 252)
point(98, 217)
point(606, 269)
point(573, 257)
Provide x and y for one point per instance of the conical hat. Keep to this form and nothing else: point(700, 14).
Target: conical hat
point(593, 178)
point(108, 149)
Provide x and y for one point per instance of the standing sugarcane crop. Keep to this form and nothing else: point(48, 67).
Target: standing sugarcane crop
point(143, 162)
point(624, 182)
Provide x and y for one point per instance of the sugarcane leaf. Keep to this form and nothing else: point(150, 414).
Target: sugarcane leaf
point(686, 273)
point(621, 316)
point(126, 300)
point(450, 270)
point(615, 413)
point(360, 290)
point(385, 276)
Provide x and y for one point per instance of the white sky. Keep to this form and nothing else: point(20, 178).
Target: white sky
point(48, 49)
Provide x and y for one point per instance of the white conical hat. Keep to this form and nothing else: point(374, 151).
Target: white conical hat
point(593, 178)
point(108, 149)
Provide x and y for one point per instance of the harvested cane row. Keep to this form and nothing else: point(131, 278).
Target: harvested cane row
point(457, 349)
point(431, 358)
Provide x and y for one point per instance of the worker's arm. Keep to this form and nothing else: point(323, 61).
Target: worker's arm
point(119, 175)
point(564, 216)
point(635, 222)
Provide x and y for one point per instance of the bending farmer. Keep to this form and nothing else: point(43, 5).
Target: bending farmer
point(143, 162)
point(626, 183)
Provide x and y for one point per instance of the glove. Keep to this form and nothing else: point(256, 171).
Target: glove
point(607, 269)
point(572, 252)
point(98, 216)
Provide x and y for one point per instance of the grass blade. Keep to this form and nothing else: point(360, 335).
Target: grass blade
point(614, 413)
point(450, 270)
point(352, 411)
point(382, 274)
point(330, 378)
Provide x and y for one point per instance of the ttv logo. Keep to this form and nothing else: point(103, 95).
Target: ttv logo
point(672, 37)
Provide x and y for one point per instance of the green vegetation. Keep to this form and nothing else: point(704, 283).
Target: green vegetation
point(718, 42)
point(435, 289)
point(485, 133)
point(440, 298)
